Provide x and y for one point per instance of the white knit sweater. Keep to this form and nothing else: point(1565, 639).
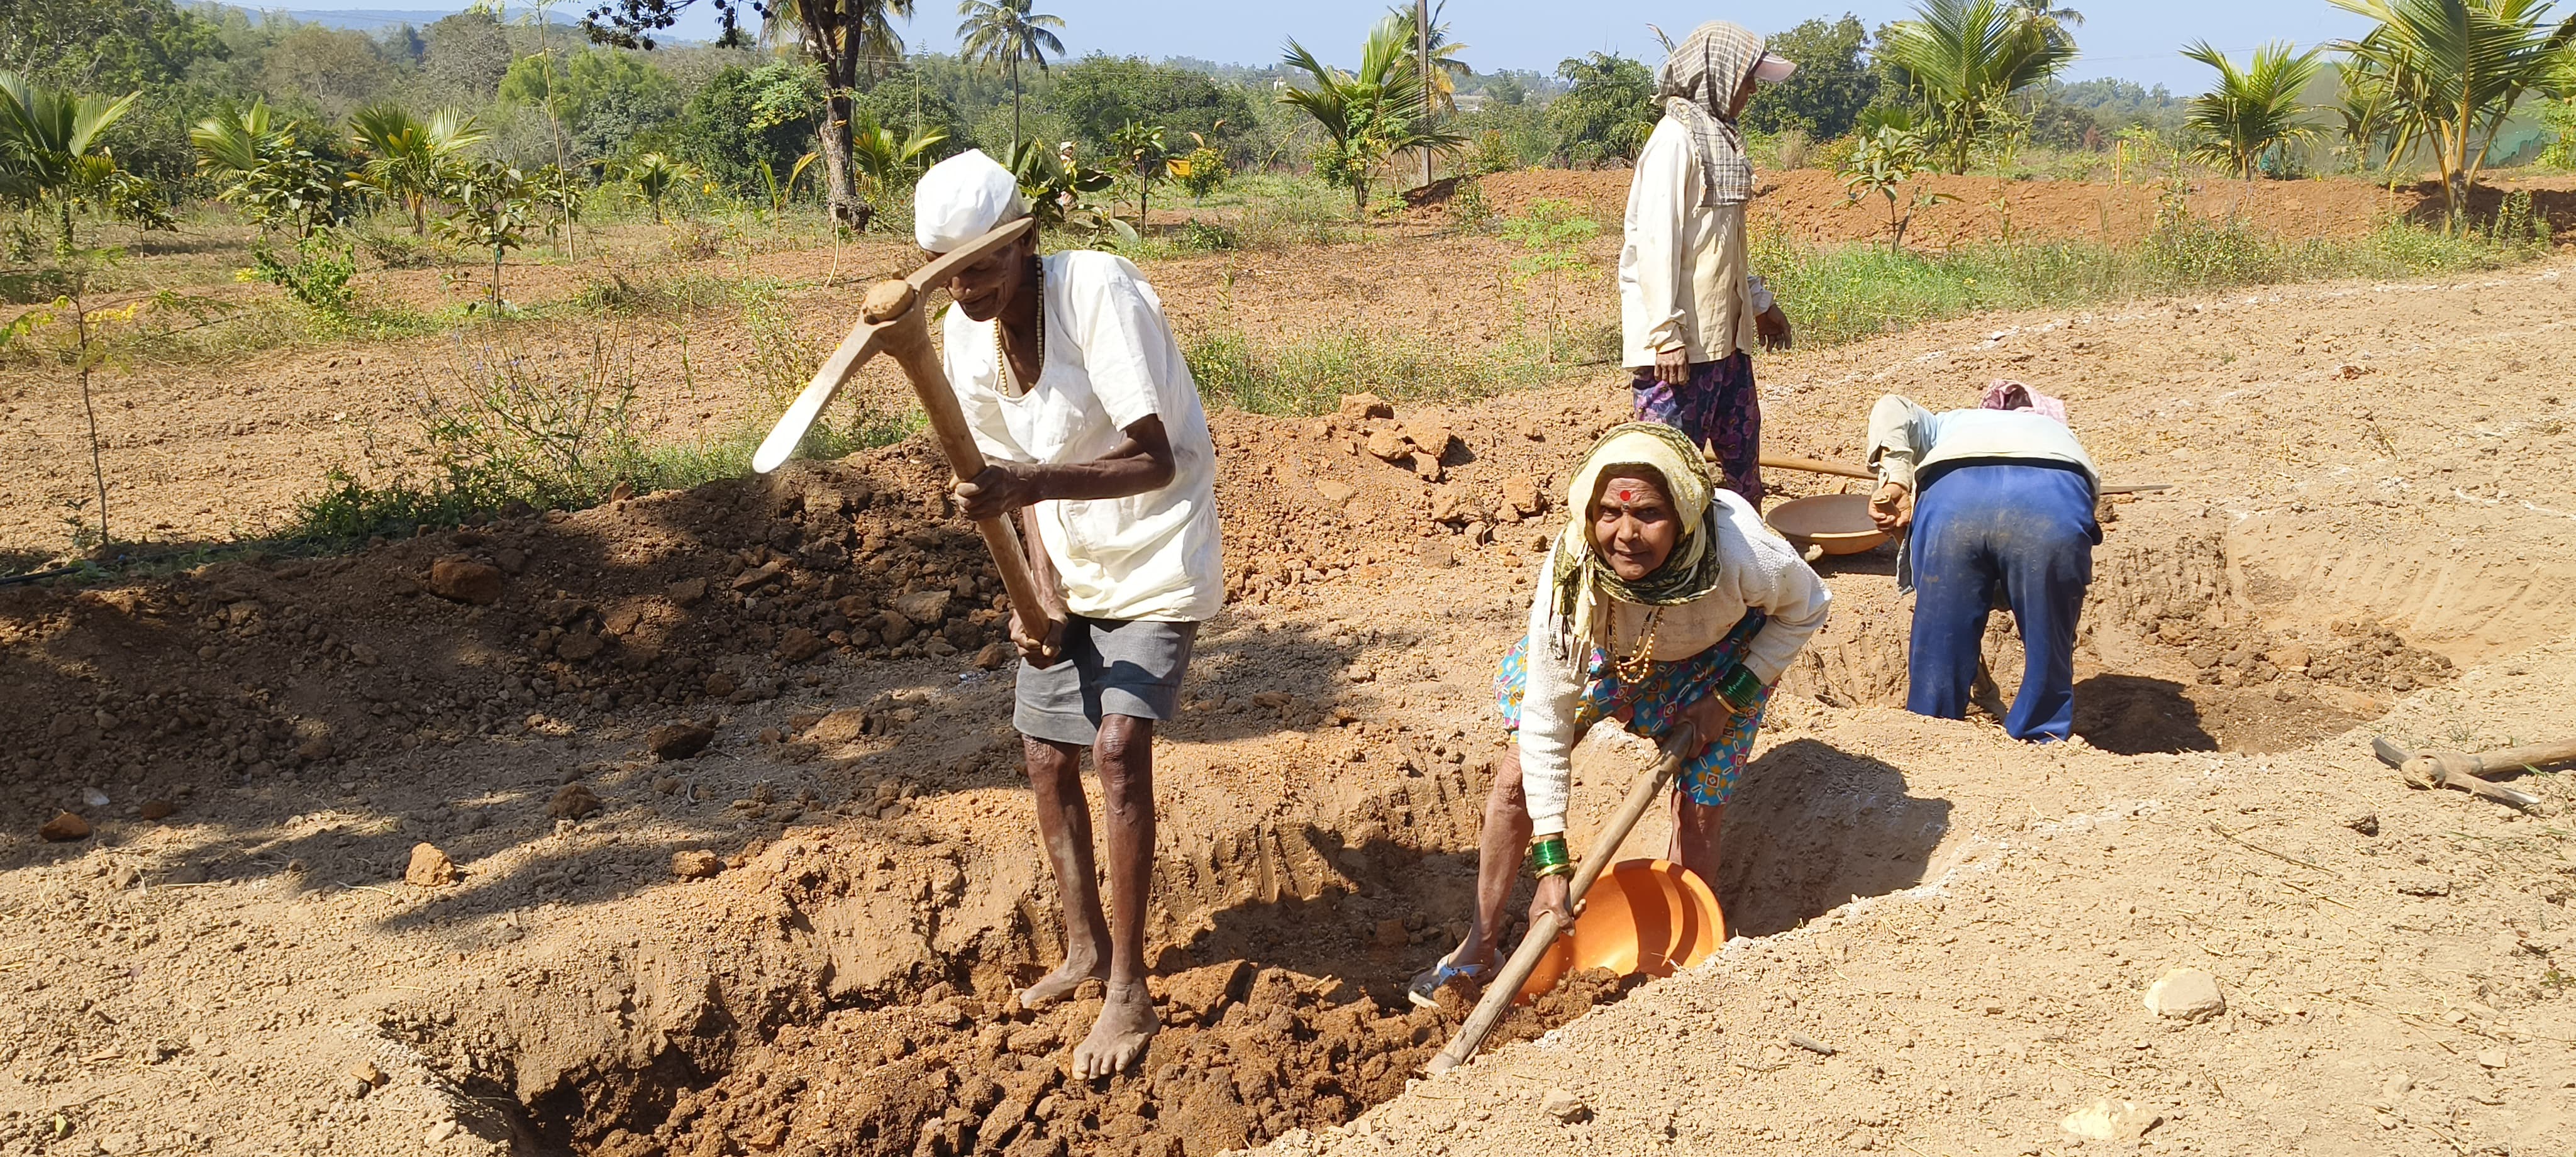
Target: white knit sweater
point(1757, 570)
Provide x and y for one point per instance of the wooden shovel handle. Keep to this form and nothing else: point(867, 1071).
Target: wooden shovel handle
point(1682, 742)
point(2530, 755)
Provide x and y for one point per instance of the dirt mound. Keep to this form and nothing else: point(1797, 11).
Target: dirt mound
point(1811, 205)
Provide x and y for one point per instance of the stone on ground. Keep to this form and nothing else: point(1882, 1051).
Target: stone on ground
point(64, 828)
point(1565, 1107)
point(680, 740)
point(429, 868)
point(2186, 994)
point(465, 581)
point(695, 864)
point(572, 801)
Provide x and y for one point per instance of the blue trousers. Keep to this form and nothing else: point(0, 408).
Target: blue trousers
point(2029, 530)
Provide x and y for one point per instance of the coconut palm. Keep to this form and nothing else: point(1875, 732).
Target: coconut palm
point(1446, 68)
point(409, 161)
point(49, 146)
point(2455, 69)
point(2254, 109)
point(1366, 116)
point(1005, 32)
point(2361, 103)
point(1961, 59)
point(654, 175)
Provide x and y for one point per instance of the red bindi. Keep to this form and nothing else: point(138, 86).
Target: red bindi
point(1627, 496)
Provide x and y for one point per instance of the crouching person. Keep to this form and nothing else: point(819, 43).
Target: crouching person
point(1997, 503)
point(1665, 601)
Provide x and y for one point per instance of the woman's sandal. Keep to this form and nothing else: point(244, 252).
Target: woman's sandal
point(1425, 989)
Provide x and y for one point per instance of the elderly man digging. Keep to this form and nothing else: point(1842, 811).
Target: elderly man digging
point(2000, 504)
point(1069, 376)
point(1688, 309)
point(1665, 601)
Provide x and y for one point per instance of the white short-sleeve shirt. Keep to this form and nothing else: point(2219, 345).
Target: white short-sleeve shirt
point(1111, 361)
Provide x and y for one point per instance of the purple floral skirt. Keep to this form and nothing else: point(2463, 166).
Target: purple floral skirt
point(1717, 407)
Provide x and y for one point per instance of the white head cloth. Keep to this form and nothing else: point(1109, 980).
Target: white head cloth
point(963, 198)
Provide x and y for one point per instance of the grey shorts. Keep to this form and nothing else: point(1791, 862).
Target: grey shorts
point(1110, 667)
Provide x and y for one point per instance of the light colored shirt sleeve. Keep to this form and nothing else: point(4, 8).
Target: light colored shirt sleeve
point(1122, 328)
point(1899, 432)
point(1769, 577)
point(1554, 688)
point(1757, 296)
point(1658, 204)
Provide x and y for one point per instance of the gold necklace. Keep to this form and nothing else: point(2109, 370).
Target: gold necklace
point(1010, 380)
point(1641, 661)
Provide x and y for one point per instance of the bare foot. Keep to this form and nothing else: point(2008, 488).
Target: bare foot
point(1126, 1022)
point(1059, 984)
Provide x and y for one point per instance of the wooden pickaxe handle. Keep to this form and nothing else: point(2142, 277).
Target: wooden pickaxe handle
point(1681, 743)
point(892, 322)
point(2530, 755)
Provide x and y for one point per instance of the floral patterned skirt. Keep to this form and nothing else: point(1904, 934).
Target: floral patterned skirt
point(1652, 707)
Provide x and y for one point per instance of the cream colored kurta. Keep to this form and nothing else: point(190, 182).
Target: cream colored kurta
point(1683, 276)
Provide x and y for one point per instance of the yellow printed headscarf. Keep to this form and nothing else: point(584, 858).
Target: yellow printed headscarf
point(1583, 578)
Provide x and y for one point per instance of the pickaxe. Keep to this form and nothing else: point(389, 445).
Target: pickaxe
point(2469, 772)
point(891, 322)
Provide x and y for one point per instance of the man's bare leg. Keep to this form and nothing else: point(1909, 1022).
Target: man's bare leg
point(1695, 832)
point(1064, 826)
point(1124, 757)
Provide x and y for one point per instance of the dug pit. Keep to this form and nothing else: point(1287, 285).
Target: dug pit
point(2172, 655)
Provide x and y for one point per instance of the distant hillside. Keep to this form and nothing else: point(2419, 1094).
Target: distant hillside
point(364, 19)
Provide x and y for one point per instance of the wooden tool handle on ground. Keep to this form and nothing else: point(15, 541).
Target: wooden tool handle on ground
point(1838, 470)
point(2532, 755)
point(1506, 984)
point(906, 338)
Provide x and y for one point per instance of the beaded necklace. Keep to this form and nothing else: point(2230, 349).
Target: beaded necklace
point(1641, 661)
point(1010, 380)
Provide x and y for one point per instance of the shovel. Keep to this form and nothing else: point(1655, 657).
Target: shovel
point(1679, 744)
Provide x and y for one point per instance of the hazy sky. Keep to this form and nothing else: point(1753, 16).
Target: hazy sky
point(2135, 39)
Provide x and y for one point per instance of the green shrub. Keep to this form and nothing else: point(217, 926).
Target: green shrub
point(317, 278)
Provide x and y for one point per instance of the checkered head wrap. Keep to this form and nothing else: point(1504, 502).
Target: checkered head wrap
point(1697, 83)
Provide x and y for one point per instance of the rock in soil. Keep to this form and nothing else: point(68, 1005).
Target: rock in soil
point(572, 801)
point(157, 809)
point(429, 868)
point(1563, 1106)
point(695, 864)
point(682, 740)
point(465, 581)
point(64, 828)
point(2186, 994)
point(2365, 822)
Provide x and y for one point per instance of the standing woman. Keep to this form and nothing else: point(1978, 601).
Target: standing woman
point(1689, 311)
point(1666, 600)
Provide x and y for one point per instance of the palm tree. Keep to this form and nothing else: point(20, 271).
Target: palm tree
point(2040, 10)
point(1005, 32)
point(2454, 70)
point(883, 157)
point(1962, 58)
point(275, 183)
point(49, 144)
point(1369, 115)
point(2361, 103)
point(2253, 109)
point(1446, 68)
point(410, 161)
point(654, 175)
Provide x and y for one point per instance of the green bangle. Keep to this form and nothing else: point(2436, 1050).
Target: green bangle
point(1549, 857)
point(1741, 688)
